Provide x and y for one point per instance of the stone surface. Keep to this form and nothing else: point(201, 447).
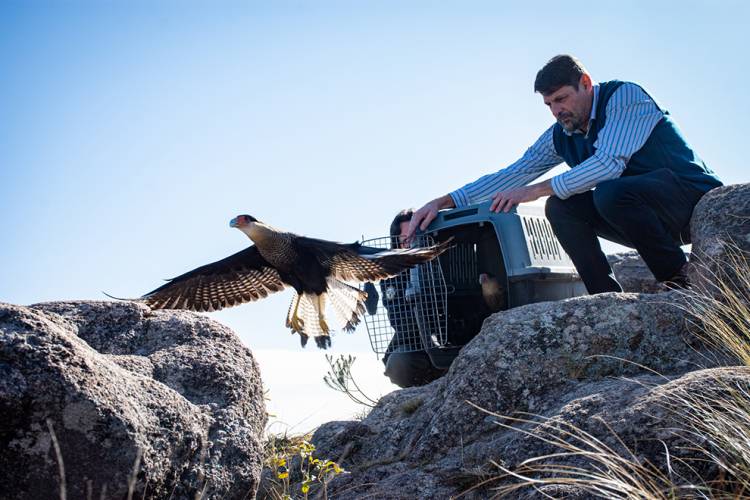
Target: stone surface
point(720, 225)
point(632, 273)
point(119, 384)
point(551, 359)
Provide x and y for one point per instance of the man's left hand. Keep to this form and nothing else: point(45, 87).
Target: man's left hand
point(503, 201)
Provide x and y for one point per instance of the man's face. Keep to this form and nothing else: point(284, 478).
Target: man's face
point(571, 107)
point(402, 236)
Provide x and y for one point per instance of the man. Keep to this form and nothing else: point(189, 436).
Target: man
point(406, 362)
point(633, 180)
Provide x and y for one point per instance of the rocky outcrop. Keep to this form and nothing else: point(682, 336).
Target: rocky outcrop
point(720, 231)
point(611, 366)
point(633, 274)
point(168, 404)
point(536, 359)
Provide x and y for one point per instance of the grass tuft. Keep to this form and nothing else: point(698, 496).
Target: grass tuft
point(714, 421)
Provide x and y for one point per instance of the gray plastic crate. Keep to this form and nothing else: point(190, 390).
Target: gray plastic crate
point(444, 307)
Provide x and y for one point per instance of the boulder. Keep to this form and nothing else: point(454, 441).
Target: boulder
point(720, 232)
point(166, 404)
point(541, 359)
point(632, 273)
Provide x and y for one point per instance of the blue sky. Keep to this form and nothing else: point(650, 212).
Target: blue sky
point(132, 132)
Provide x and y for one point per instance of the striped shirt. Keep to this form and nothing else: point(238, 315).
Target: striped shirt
point(631, 117)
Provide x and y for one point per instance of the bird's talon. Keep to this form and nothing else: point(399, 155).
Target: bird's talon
point(324, 326)
point(297, 324)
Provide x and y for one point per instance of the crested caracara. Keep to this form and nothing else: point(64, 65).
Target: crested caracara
point(493, 292)
point(316, 269)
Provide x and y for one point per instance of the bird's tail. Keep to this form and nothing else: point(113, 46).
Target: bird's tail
point(347, 302)
point(308, 319)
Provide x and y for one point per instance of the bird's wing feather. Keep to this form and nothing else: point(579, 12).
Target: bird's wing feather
point(242, 277)
point(352, 262)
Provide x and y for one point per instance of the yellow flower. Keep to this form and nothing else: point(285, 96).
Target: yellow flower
point(283, 475)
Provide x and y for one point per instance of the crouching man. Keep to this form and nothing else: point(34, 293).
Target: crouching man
point(633, 179)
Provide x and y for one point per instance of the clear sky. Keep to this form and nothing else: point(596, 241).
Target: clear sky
point(132, 132)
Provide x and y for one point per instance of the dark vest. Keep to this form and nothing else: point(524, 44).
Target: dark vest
point(664, 148)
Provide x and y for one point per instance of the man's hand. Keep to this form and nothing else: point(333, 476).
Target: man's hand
point(422, 217)
point(503, 201)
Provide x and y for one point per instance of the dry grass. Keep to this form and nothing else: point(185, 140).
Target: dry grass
point(715, 423)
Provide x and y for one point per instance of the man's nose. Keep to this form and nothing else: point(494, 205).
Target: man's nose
point(555, 110)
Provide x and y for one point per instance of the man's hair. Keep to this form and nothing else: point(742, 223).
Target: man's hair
point(402, 216)
point(559, 71)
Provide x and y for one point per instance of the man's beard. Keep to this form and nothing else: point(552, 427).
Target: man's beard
point(570, 122)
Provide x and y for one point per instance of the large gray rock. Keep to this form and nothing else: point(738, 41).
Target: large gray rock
point(633, 274)
point(543, 359)
point(720, 230)
point(116, 382)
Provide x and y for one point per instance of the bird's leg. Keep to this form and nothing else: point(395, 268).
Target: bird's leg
point(295, 322)
point(321, 316)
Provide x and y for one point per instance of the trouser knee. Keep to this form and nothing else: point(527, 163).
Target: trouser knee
point(612, 200)
point(553, 209)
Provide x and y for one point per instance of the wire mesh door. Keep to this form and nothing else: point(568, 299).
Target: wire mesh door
point(408, 312)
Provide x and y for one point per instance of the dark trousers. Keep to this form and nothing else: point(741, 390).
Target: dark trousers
point(409, 369)
point(649, 212)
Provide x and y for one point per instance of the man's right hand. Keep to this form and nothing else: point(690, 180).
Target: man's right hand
point(422, 217)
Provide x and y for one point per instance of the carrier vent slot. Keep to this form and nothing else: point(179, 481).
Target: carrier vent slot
point(462, 213)
point(543, 246)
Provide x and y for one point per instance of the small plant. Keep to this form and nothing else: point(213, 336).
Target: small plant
point(292, 460)
point(339, 378)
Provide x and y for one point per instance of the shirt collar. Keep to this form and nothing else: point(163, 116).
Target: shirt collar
point(592, 117)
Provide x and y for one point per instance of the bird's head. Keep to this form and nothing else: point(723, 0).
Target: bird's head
point(242, 221)
point(252, 227)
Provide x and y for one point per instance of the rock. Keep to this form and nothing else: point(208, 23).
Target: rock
point(173, 392)
point(720, 229)
point(541, 359)
point(632, 273)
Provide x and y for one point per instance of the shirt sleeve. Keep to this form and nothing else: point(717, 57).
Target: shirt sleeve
point(631, 117)
point(537, 160)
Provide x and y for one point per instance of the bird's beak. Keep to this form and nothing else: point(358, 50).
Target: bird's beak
point(234, 222)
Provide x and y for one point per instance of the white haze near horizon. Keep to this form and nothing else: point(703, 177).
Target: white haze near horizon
point(132, 133)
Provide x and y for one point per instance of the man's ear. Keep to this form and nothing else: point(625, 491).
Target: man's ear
point(585, 82)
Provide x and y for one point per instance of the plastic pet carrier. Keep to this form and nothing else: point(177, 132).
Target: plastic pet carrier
point(439, 306)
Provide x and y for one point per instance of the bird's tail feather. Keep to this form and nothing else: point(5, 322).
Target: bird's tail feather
point(308, 319)
point(347, 303)
point(309, 312)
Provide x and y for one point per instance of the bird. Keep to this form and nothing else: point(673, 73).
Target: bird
point(317, 270)
point(492, 291)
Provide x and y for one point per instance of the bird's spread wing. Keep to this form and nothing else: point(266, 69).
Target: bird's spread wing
point(242, 277)
point(353, 262)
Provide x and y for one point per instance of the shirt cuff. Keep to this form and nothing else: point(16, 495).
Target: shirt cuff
point(559, 187)
point(459, 198)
